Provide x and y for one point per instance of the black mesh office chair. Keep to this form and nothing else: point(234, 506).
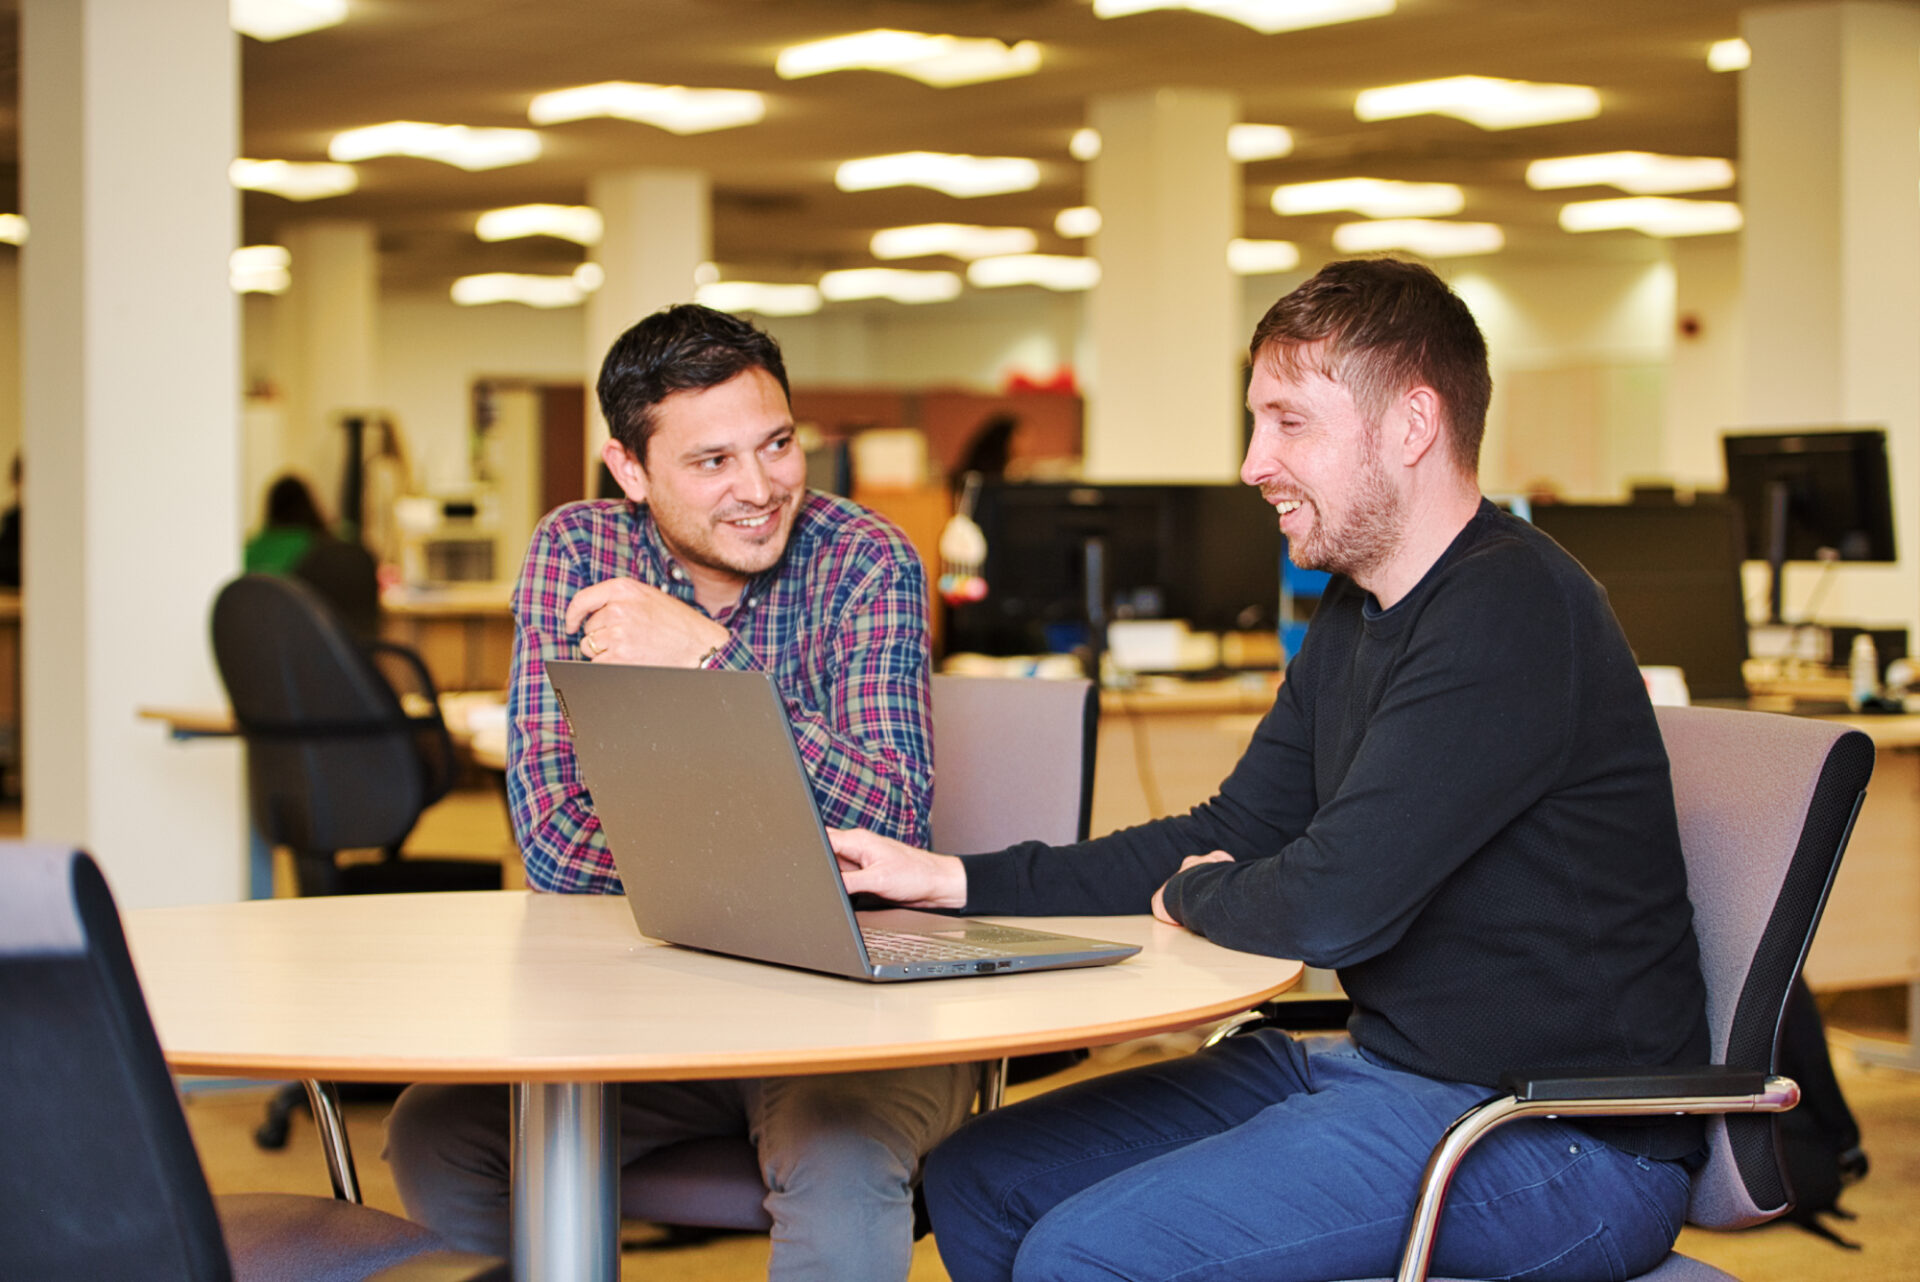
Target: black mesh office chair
point(345, 743)
point(101, 1180)
point(345, 748)
point(1766, 806)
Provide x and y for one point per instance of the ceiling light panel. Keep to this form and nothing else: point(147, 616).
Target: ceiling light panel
point(754, 296)
point(278, 19)
point(937, 60)
point(294, 180)
point(953, 240)
point(1427, 237)
point(580, 224)
point(1653, 216)
point(1374, 197)
point(260, 269)
point(1261, 257)
point(518, 287)
point(1641, 172)
point(1481, 100)
point(674, 108)
point(459, 145)
point(1259, 142)
point(1077, 223)
point(894, 283)
point(955, 175)
point(1049, 271)
point(1729, 55)
point(1264, 16)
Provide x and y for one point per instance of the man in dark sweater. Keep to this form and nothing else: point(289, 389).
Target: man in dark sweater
point(1459, 800)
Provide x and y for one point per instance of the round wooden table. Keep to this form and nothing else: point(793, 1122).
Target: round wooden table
point(562, 996)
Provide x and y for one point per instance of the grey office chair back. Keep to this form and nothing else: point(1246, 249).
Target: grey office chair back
point(1013, 760)
point(1766, 805)
point(100, 1179)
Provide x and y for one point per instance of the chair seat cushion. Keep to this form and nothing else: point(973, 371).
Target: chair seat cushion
point(289, 1237)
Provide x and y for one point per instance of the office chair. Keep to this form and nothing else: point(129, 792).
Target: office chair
point(347, 578)
point(335, 759)
point(1013, 761)
point(1766, 805)
point(101, 1180)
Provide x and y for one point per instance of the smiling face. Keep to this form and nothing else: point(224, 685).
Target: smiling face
point(1321, 465)
point(724, 479)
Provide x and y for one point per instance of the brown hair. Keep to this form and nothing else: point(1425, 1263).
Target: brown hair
point(1387, 325)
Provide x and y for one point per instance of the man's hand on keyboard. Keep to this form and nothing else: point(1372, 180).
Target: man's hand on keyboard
point(898, 873)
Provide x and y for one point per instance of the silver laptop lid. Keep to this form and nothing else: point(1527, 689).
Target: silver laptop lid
point(706, 807)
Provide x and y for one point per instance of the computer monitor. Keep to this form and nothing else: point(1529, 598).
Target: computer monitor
point(1811, 495)
point(1063, 559)
point(1672, 575)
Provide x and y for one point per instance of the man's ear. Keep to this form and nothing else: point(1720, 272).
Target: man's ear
point(1425, 424)
point(627, 471)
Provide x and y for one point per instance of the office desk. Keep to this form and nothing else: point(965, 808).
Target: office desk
point(462, 631)
point(560, 995)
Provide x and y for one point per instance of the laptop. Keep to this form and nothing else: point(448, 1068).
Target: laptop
point(710, 816)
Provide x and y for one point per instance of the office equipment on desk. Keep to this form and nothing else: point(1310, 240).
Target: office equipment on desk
point(1672, 575)
point(1065, 558)
point(710, 816)
point(101, 1179)
point(1811, 495)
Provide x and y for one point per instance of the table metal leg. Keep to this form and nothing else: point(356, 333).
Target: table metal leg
point(566, 1182)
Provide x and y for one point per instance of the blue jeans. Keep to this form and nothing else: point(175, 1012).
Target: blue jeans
point(1273, 1159)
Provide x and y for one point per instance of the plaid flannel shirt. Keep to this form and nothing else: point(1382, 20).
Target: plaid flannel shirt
point(840, 622)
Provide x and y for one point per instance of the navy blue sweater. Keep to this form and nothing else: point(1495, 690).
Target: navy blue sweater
point(1463, 805)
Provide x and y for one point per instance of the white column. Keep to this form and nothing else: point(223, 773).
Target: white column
point(131, 425)
point(1164, 398)
point(1829, 171)
point(328, 337)
point(659, 229)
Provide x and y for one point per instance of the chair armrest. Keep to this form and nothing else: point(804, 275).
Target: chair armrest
point(420, 680)
point(1599, 1094)
point(1637, 1084)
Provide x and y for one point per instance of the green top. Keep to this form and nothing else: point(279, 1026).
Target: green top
point(277, 549)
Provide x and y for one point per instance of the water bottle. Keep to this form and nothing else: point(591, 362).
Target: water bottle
point(1863, 672)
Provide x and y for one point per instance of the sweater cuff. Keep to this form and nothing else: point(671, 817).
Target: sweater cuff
point(992, 883)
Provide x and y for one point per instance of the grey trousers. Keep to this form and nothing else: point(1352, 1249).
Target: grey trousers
point(839, 1154)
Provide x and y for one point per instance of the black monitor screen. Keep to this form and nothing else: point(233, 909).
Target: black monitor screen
point(1672, 575)
point(1209, 554)
point(1812, 495)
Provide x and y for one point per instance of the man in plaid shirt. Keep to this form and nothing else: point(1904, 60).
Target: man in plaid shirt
point(718, 558)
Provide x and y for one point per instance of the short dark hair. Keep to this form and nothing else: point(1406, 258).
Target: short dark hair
point(290, 504)
point(682, 348)
point(1388, 325)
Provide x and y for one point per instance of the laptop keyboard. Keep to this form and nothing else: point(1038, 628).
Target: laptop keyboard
point(893, 946)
